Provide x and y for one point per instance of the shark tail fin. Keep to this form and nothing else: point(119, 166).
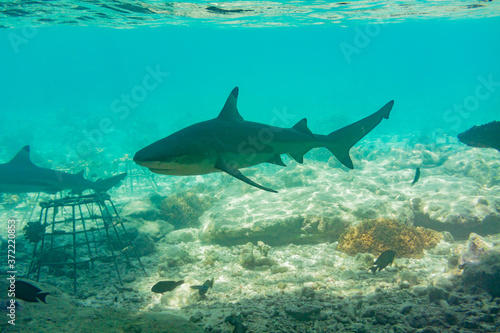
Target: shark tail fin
point(102, 185)
point(341, 141)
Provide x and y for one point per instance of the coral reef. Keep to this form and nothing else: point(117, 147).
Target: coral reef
point(376, 236)
point(183, 209)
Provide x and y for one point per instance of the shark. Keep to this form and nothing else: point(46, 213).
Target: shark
point(229, 143)
point(21, 175)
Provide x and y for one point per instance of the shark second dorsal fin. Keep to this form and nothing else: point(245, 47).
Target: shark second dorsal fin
point(276, 159)
point(298, 156)
point(301, 127)
point(230, 111)
point(22, 157)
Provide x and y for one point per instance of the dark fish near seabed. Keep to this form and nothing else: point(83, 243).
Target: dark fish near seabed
point(29, 293)
point(484, 136)
point(237, 323)
point(164, 286)
point(385, 259)
point(417, 176)
point(204, 288)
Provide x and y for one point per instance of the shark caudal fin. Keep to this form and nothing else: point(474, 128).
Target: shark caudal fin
point(102, 185)
point(340, 141)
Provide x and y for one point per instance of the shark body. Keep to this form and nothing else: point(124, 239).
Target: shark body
point(229, 143)
point(20, 175)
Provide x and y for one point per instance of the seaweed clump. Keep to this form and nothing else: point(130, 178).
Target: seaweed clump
point(183, 210)
point(376, 236)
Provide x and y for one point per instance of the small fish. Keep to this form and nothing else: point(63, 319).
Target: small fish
point(201, 289)
point(237, 323)
point(204, 288)
point(209, 283)
point(164, 286)
point(385, 259)
point(29, 293)
point(417, 176)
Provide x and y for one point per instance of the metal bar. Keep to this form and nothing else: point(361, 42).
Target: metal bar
point(127, 236)
point(74, 250)
point(111, 246)
point(85, 232)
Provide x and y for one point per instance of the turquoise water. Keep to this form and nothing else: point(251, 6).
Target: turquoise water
point(88, 83)
point(59, 81)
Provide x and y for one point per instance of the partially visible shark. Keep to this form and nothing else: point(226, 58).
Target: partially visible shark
point(229, 143)
point(20, 175)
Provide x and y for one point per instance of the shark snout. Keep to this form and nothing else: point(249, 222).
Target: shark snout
point(142, 158)
point(147, 159)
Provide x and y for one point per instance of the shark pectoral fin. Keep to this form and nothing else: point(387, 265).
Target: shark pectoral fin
point(222, 166)
point(276, 159)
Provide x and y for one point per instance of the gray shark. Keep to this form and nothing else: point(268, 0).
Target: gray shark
point(229, 143)
point(20, 175)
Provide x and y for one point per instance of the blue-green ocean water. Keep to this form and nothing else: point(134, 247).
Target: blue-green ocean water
point(64, 88)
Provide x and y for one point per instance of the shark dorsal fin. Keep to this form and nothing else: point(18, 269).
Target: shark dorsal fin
point(79, 174)
point(301, 127)
point(22, 157)
point(230, 111)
